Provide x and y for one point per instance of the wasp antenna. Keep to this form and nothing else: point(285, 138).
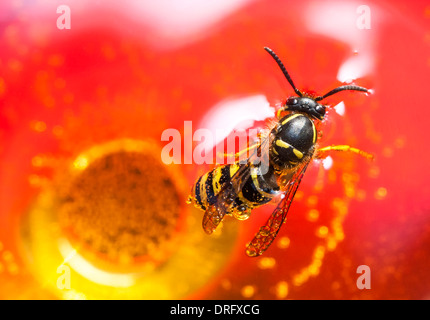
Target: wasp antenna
point(284, 70)
point(341, 88)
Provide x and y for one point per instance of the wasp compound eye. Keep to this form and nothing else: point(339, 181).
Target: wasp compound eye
point(292, 101)
point(320, 109)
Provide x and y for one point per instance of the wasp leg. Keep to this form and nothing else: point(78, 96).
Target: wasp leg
point(237, 156)
point(322, 153)
point(279, 112)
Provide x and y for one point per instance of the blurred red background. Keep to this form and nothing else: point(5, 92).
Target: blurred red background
point(132, 70)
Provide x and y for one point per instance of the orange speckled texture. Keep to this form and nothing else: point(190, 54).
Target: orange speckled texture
point(119, 74)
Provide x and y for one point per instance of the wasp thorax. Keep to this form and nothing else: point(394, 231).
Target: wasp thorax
point(294, 139)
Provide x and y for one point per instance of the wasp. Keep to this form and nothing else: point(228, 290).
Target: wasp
point(274, 169)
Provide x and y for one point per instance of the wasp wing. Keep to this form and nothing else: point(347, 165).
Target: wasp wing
point(265, 236)
point(229, 191)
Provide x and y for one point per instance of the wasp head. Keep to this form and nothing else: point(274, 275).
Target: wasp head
point(306, 105)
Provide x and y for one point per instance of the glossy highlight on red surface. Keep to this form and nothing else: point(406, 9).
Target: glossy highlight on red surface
point(126, 72)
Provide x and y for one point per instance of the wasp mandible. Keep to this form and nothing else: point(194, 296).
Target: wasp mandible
point(287, 148)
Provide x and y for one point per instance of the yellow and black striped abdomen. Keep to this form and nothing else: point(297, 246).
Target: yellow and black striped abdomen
point(255, 190)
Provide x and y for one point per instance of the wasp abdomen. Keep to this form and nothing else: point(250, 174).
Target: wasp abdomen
point(256, 189)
